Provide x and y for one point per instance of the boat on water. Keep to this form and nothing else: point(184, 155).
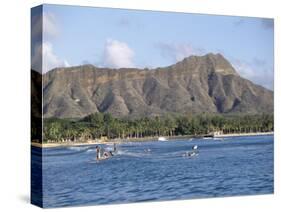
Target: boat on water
point(162, 139)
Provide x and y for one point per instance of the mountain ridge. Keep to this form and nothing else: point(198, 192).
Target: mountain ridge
point(196, 84)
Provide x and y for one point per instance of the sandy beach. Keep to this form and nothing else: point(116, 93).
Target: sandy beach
point(62, 144)
point(95, 142)
point(65, 144)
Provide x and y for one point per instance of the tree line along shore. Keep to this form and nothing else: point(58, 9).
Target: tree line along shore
point(104, 127)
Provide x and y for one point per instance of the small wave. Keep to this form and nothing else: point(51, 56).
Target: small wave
point(93, 161)
point(132, 154)
point(77, 148)
point(70, 151)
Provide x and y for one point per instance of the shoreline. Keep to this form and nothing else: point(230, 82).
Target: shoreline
point(110, 142)
point(118, 141)
point(243, 134)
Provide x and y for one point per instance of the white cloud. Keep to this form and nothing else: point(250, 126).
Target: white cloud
point(46, 20)
point(44, 58)
point(118, 54)
point(50, 26)
point(36, 27)
point(255, 72)
point(178, 51)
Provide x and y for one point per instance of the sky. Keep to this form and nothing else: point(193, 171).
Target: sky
point(118, 38)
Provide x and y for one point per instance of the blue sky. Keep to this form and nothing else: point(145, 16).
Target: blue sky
point(130, 38)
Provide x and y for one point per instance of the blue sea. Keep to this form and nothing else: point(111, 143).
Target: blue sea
point(157, 171)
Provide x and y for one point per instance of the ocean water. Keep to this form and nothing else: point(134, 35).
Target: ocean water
point(157, 171)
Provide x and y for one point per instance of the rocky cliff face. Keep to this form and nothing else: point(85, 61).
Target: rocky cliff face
point(197, 84)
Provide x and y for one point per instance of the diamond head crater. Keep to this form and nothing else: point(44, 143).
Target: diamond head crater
point(197, 96)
